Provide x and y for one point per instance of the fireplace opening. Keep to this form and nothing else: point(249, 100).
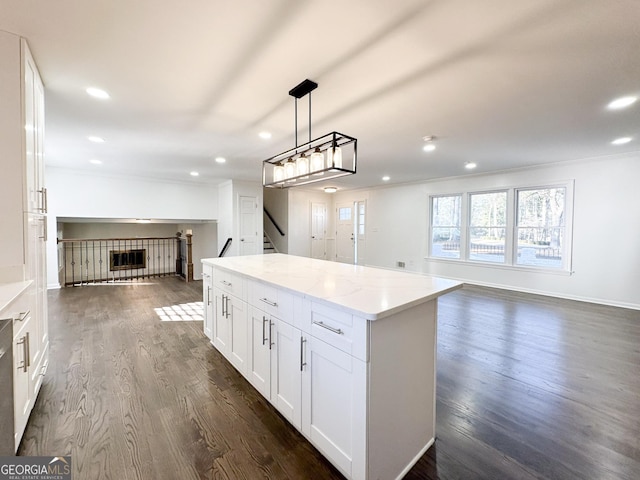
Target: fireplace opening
point(127, 259)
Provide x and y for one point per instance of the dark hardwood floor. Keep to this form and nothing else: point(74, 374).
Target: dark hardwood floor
point(528, 387)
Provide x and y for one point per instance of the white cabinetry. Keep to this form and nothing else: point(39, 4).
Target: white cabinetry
point(208, 300)
point(275, 349)
point(230, 319)
point(355, 375)
point(23, 203)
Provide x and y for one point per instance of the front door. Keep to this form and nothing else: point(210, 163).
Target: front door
point(345, 240)
point(318, 229)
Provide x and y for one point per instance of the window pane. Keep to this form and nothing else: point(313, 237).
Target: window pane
point(540, 227)
point(445, 226)
point(487, 226)
point(344, 213)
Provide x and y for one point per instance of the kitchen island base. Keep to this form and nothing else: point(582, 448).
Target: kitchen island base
point(357, 381)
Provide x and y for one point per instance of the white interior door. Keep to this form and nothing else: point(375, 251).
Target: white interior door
point(318, 230)
point(345, 240)
point(248, 228)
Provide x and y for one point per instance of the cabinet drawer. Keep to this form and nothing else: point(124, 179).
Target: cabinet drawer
point(271, 300)
point(339, 329)
point(19, 310)
point(229, 282)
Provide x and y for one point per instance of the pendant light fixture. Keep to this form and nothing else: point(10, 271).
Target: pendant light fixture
point(331, 156)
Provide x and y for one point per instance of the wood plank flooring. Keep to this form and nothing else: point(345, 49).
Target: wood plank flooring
point(528, 387)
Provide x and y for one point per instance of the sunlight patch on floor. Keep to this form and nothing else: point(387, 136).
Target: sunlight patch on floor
point(184, 312)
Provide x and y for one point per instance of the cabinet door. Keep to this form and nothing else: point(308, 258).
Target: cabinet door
point(208, 303)
point(334, 406)
point(21, 378)
point(34, 133)
point(286, 370)
point(236, 311)
point(259, 363)
point(220, 322)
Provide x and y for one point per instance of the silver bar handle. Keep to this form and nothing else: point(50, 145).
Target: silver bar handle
point(225, 283)
point(24, 365)
point(271, 344)
point(208, 295)
point(331, 329)
point(223, 305)
point(28, 357)
point(269, 302)
point(264, 334)
point(22, 316)
point(302, 362)
point(228, 313)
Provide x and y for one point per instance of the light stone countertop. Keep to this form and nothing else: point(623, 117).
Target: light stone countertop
point(373, 293)
point(10, 291)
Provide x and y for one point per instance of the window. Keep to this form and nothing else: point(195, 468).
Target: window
point(360, 226)
point(540, 227)
point(344, 213)
point(487, 226)
point(446, 217)
point(517, 227)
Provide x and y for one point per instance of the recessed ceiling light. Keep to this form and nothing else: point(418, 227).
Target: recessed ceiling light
point(621, 141)
point(386, 178)
point(429, 147)
point(220, 160)
point(95, 139)
point(97, 93)
point(265, 135)
point(95, 161)
point(194, 174)
point(330, 189)
point(470, 165)
point(622, 102)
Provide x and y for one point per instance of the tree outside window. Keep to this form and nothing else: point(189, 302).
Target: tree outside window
point(487, 226)
point(445, 226)
point(540, 227)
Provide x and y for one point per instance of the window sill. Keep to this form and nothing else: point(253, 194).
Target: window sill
point(500, 266)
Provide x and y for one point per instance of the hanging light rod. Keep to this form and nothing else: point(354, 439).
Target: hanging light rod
point(330, 156)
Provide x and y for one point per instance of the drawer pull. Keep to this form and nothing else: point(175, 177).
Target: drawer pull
point(331, 329)
point(22, 316)
point(264, 335)
point(225, 283)
point(302, 362)
point(269, 302)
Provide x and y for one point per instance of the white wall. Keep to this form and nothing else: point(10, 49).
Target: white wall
point(606, 255)
point(78, 194)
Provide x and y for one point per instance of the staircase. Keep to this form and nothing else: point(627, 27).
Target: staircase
point(267, 246)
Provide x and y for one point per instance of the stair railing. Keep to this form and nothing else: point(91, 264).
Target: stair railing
point(275, 224)
point(227, 244)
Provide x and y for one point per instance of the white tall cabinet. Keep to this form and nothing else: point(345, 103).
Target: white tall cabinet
point(23, 209)
point(346, 353)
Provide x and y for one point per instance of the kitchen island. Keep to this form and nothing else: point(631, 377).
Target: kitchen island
point(345, 353)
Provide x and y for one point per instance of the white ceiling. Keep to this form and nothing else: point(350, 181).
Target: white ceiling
point(502, 83)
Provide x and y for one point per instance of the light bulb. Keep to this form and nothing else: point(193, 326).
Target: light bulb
point(278, 173)
point(334, 157)
point(317, 161)
point(302, 165)
point(290, 169)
